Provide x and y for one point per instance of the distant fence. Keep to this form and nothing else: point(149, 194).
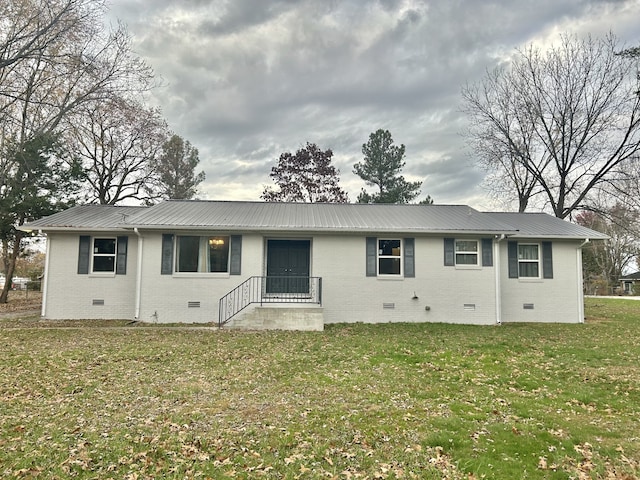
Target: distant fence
point(24, 285)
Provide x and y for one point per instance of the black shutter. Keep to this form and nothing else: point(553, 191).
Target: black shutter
point(121, 258)
point(513, 259)
point(449, 252)
point(409, 258)
point(487, 252)
point(236, 255)
point(372, 257)
point(547, 260)
point(84, 254)
point(167, 254)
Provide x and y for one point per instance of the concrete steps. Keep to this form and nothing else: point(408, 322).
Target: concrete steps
point(280, 317)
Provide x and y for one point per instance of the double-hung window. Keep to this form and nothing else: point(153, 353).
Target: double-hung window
point(104, 255)
point(466, 252)
point(529, 260)
point(202, 254)
point(390, 257)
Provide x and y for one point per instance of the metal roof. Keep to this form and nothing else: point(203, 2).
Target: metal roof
point(311, 217)
point(85, 217)
point(316, 217)
point(631, 276)
point(542, 225)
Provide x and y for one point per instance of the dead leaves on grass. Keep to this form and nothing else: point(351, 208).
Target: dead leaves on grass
point(141, 404)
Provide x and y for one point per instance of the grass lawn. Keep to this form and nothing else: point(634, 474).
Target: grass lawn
point(355, 401)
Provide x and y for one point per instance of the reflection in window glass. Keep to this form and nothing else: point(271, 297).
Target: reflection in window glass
point(389, 266)
point(218, 254)
point(188, 253)
point(389, 257)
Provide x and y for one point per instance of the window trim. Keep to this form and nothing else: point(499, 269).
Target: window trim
point(93, 254)
point(477, 253)
point(400, 258)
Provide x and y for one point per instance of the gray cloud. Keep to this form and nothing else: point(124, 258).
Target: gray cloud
point(246, 81)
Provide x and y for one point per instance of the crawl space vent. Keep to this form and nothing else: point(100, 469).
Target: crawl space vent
point(528, 306)
point(389, 305)
point(193, 304)
point(97, 301)
point(470, 307)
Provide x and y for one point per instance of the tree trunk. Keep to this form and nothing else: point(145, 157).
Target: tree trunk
point(10, 264)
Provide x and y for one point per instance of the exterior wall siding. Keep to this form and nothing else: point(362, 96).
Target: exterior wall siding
point(350, 296)
point(165, 298)
point(71, 295)
point(437, 293)
point(553, 300)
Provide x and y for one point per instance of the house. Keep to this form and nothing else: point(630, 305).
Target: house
point(629, 283)
point(302, 265)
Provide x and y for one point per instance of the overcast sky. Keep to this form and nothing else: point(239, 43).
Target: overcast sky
point(245, 80)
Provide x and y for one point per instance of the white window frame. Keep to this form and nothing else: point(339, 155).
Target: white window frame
point(203, 255)
point(457, 252)
point(537, 261)
point(380, 256)
point(94, 254)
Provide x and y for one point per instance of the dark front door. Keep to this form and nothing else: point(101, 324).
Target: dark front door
point(288, 266)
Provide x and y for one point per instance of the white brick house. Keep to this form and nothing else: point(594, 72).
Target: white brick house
point(178, 261)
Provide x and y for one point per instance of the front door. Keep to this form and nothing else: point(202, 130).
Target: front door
point(288, 266)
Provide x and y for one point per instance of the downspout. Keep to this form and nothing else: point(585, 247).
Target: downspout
point(580, 281)
point(138, 273)
point(45, 278)
point(497, 279)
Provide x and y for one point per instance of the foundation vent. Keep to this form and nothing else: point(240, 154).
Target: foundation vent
point(470, 307)
point(388, 305)
point(528, 306)
point(97, 301)
point(193, 304)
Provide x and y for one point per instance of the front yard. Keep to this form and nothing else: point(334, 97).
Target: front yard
point(355, 401)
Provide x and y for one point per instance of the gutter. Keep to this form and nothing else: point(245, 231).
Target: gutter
point(496, 262)
point(45, 278)
point(136, 315)
point(580, 281)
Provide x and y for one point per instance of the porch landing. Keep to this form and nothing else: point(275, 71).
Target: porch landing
point(280, 317)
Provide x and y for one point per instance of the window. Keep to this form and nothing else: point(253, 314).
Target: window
point(104, 255)
point(529, 260)
point(202, 254)
point(466, 252)
point(389, 257)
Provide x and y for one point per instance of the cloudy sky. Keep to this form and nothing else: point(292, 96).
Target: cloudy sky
point(245, 80)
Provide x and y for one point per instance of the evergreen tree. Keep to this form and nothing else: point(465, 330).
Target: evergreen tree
point(35, 180)
point(383, 162)
point(176, 169)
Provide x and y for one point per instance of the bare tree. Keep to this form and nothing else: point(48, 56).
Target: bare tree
point(608, 260)
point(55, 57)
point(29, 27)
point(118, 143)
point(560, 121)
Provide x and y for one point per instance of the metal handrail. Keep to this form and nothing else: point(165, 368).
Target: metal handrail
point(284, 289)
